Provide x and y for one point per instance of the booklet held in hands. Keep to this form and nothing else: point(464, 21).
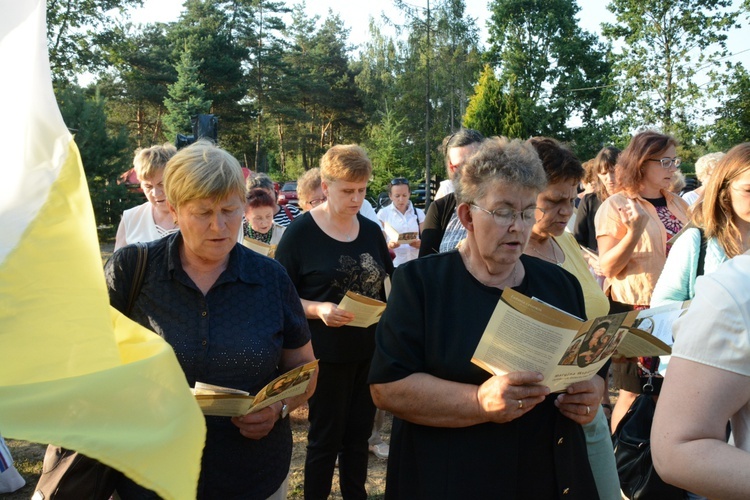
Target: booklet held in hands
point(220, 401)
point(526, 334)
point(367, 311)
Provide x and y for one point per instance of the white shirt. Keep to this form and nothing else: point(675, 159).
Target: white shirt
point(446, 187)
point(715, 330)
point(139, 226)
point(367, 211)
point(407, 222)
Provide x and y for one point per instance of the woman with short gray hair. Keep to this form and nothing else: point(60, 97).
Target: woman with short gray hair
point(507, 436)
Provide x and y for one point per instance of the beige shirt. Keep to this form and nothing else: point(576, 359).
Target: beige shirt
point(636, 281)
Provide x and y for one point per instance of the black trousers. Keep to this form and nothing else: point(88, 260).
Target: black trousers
point(341, 417)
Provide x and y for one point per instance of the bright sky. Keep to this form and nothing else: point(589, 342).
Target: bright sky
point(356, 14)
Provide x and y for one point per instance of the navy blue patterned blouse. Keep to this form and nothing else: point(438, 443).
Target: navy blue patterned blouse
point(233, 336)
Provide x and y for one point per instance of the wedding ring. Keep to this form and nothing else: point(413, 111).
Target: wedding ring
point(520, 404)
point(588, 410)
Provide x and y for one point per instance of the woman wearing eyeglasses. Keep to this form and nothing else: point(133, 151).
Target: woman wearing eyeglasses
point(551, 242)
point(632, 229)
point(309, 192)
point(402, 219)
point(259, 224)
point(459, 432)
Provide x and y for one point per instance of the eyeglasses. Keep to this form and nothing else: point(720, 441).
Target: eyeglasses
point(667, 162)
point(317, 201)
point(399, 180)
point(506, 216)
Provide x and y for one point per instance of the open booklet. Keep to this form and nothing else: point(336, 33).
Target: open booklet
point(400, 238)
point(528, 334)
point(260, 247)
point(220, 401)
point(367, 311)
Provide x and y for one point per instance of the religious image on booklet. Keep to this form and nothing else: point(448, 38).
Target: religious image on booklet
point(526, 334)
point(220, 401)
point(400, 238)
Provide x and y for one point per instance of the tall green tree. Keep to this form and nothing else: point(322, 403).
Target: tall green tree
point(554, 68)
point(104, 154)
point(663, 43)
point(733, 123)
point(137, 83)
point(486, 110)
point(187, 97)
point(205, 30)
point(76, 29)
point(386, 148)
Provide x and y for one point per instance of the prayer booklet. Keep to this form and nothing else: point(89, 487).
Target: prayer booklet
point(367, 311)
point(400, 238)
point(220, 401)
point(260, 247)
point(526, 334)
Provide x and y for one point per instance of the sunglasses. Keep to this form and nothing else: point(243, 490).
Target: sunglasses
point(399, 180)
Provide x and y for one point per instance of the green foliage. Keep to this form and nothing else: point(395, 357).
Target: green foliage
point(385, 147)
point(486, 110)
point(733, 125)
point(75, 31)
point(104, 155)
point(663, 45)
point(552, 67)
point(186, 97)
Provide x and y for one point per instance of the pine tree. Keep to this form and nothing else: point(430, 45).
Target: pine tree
point(186, 97)
point(486, 111)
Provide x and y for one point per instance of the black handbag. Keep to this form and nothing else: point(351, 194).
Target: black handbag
point(632, 444)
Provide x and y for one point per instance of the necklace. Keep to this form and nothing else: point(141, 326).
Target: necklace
point(346, 235)
point(545, 257)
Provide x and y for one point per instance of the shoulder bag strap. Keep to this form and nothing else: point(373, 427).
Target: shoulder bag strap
point(419, 231)
point(140, 272)
point(701, 253)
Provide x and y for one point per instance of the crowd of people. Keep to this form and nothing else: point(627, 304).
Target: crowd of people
point(590, 239)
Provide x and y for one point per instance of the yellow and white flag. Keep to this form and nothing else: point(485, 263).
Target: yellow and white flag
point(73, 371)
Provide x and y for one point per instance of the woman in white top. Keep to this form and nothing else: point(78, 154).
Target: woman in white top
point(151, 220)
point(401, 217)
point(704, 167)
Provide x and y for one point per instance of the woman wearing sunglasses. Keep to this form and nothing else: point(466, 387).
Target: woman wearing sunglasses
point(401, 220)
point(632, 229)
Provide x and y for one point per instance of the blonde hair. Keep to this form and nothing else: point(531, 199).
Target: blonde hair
point(202, 170)
point(714, 213)
point(706, 164)
point(345, 162)
point(306, 184)
point(678, 182)
point(150, 161)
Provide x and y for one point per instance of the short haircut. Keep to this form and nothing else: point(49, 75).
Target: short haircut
point(150, 161)
point(499, 159)
point(260, 180)
point(259, 197)
point(559, 162)
point(307, 183)
point(714, 213)
point(643, 146)
point(678, 182)
point(202, 170)
point(462, 137)
point(706, 164)
point(345, 162)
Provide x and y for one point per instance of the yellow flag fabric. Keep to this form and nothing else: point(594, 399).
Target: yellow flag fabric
point(73, 371)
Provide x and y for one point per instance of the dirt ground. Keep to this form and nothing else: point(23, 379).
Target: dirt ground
point(28, 460)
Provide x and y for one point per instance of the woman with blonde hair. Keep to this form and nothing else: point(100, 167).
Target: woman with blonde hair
point(722, 220)
point(632, 230)
point(329, 251)
point(151, 220)
point(704, 167)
